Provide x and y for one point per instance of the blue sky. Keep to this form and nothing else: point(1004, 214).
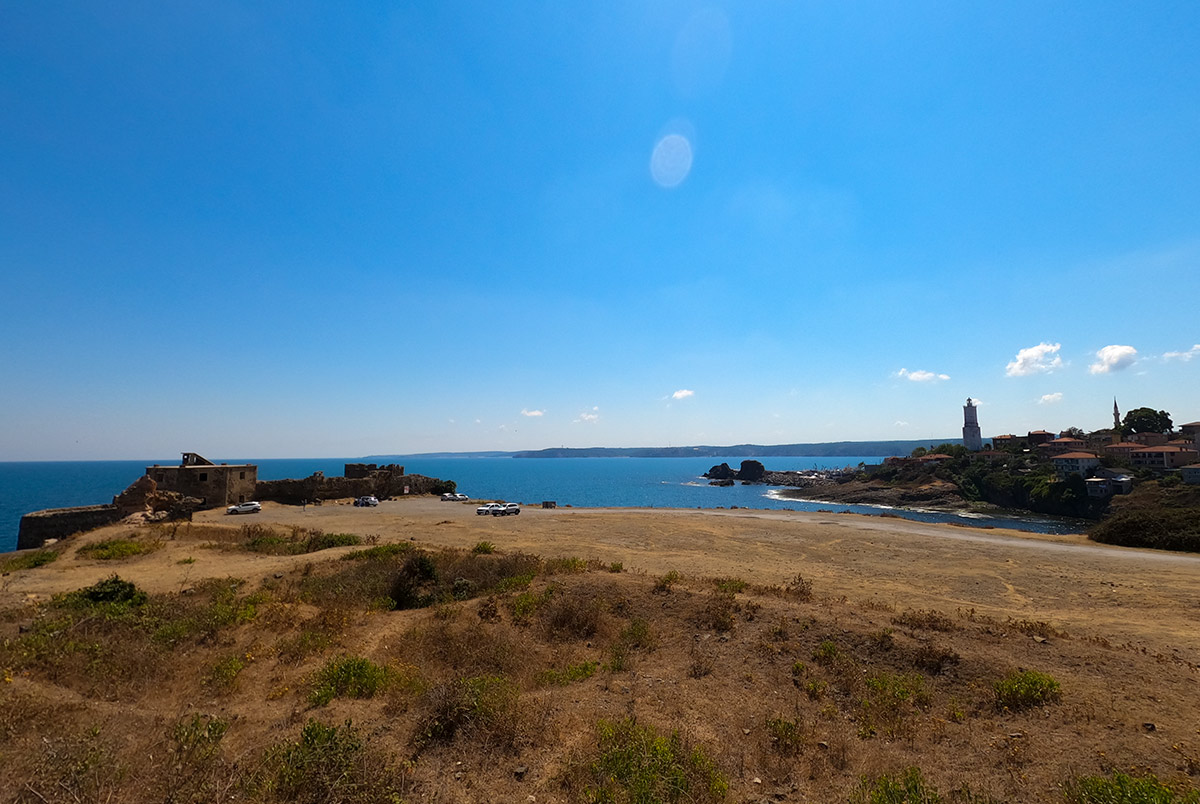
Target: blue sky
point(298, 229)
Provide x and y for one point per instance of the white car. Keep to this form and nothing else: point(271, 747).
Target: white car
point(508, 509)
point(451, 496)
point(491, 508)
point(244, 508)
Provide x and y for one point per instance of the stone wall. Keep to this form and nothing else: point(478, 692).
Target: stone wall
point(319, 487)
point(216, 485)
point(59, 523)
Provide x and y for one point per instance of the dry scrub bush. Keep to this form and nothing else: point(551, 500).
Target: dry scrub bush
point(635, 763)
point(329, 764)
point(79, 768)
point(576, 614)
point(926, 620)
point(111, 637)
point(465, 648)
point(485, 710)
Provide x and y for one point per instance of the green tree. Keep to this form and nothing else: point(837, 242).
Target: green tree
point(1073, 432)
point(1146, 420)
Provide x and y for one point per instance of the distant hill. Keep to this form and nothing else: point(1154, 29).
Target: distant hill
point(438, 455)
point(830, 449)
point(834, 449)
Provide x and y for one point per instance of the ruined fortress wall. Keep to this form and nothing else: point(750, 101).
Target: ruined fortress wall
point(59, 523)
point(319, 487)
point(216, 485)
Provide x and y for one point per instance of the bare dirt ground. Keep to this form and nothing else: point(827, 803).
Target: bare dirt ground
point(1120, 628)
point(1142, 597)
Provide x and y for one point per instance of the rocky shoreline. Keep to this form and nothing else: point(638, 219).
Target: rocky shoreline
point(842, 486)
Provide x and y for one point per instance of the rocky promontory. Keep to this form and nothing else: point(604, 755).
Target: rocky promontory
point(842, 486)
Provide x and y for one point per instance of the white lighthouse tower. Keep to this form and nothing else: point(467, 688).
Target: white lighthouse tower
point(971, 438)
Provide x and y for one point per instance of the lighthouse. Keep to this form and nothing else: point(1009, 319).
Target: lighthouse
point(971, 437)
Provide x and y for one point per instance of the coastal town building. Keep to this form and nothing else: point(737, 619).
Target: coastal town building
point(1005, 441)
point(214, 484)
point(972, 439)
point(1036, 437)
point(1122, 449)
point(1063, 445)
point(1075, 463)
point(1190, 474)
point(1163, 458)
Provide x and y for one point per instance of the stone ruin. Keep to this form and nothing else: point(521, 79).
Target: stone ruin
point(143, 502)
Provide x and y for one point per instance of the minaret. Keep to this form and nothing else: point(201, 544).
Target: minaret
point(1116, 423)
point(971, 437)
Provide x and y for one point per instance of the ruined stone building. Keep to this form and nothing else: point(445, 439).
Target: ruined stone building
point(215, 484)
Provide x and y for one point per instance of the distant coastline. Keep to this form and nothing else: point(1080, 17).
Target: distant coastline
point(828, 449)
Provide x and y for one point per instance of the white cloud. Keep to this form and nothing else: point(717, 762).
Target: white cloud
point(902, 424)
point(1113, 358)
point(1035, 360)
point(532, 412)
point(589, 416)
point(922, 376)
point(1050, 399)
point(682, 393)
point(1184, 356)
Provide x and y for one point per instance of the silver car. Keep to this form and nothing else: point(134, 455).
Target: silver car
point(244, 508)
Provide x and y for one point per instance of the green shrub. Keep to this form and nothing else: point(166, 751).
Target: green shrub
point(260, 539)
point(28, 559)
point(664, 584)
point(1026, 689)
point(731, 585)
point(111, 591)
point(890, 699)
point(827, 653)
point(635, 636)
point(635, 763)
point(348, 677)
point(196, 771)
point(787, 736)
point(224, 673)
point(576, 672)
point(484, 549)
point(379, 551)
point(907, 788)
point(1125, 789)
point(329, 763)
point(565, 566)
point(302, 645)
point(116, 549)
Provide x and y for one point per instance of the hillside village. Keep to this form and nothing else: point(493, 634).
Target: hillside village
point(1105, 458)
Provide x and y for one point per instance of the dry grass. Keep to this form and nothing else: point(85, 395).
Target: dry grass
point(468, 675)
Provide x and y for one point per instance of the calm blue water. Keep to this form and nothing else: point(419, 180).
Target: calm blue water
point(579, 482)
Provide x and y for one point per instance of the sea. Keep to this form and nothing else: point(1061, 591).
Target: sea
point(577, 482)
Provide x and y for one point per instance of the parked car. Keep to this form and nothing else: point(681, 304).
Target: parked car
point(461, 497)
point(451, 496)
point(507, 509)
point(366, 502)
point(244, 508)
point(490, 508)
